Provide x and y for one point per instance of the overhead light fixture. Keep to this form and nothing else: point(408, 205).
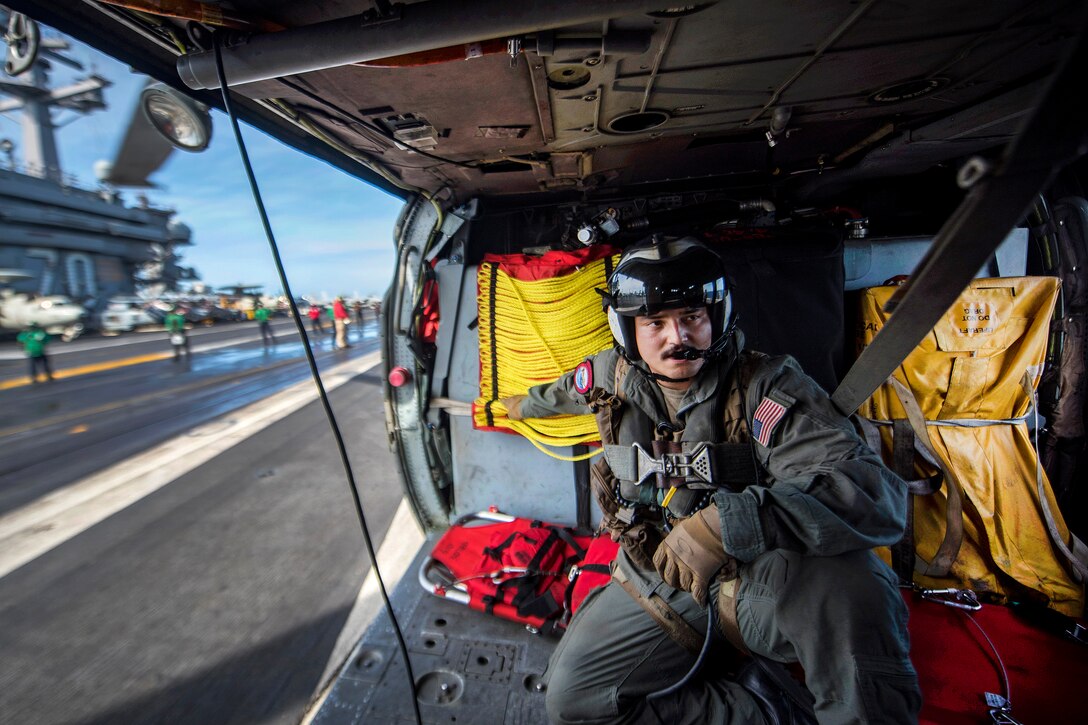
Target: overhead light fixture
point(182, 121)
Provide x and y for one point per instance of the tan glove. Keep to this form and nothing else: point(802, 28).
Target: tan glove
point(513, 406)
point(692, 554)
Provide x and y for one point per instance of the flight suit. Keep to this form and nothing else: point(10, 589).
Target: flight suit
point(809, 589)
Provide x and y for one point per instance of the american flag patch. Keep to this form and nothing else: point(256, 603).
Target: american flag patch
point(768, 415)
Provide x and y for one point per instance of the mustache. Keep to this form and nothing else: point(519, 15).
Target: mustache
point(682, 352)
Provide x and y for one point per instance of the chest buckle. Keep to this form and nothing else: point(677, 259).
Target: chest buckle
point(693, 466)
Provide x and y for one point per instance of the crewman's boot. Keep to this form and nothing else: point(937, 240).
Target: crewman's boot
point(778, 706)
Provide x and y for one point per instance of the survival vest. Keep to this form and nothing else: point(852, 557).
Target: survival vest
point(631, 511)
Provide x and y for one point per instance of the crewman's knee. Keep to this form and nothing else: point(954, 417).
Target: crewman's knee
point(566, 702)
point(865, 588)
point(856, 582)
point(857, 594)
point(576, 690)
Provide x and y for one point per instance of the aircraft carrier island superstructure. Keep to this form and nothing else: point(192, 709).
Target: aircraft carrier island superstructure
point(57, 238)
point(83, 243)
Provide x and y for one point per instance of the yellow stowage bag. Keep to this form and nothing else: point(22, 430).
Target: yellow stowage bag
point(970, 367)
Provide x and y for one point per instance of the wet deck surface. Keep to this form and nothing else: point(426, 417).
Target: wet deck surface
point(218, 597)
point(54, 433)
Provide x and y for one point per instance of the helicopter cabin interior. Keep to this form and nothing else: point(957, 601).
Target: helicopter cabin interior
point(823, 149)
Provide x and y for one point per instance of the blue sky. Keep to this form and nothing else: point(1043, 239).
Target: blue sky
point(335, 233)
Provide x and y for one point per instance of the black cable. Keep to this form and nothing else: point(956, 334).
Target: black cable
point(316, 375)
point(698, 660)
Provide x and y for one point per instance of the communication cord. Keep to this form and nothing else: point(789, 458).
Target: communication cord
point(316, 376)
point(683, 681)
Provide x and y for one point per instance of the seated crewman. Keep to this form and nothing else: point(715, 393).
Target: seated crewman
point(728, 477)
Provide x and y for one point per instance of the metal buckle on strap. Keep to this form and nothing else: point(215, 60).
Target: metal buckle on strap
point(693, 466)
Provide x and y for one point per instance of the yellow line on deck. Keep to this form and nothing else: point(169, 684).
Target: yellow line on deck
point(93, 368)
point(163, 393)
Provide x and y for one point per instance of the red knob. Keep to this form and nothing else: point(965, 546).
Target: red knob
point(398, 376)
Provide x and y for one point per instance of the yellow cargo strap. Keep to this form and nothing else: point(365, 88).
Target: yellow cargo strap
point(531, 332)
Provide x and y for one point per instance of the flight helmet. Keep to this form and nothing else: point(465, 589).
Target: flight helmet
point(659, 274)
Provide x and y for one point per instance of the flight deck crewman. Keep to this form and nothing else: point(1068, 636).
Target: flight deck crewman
point(34, 339)
point(174, 322)
point(261, 314)
point(340, 322)
point(732, 484)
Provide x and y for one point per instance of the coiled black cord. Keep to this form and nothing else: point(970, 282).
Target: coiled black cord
point(698, 660)
point(228, 107)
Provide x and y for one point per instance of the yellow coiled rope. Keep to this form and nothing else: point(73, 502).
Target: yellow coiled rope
point(531, 332)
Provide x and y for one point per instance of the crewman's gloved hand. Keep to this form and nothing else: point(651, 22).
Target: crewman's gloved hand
point(513, 406)
point(692, 554)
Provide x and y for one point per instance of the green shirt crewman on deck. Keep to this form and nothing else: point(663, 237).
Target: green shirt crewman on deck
point(174, 322)
point(261, 314)
point(34, 340)
point(730, 480)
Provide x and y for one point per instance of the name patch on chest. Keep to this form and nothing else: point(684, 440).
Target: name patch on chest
point(767, 417)
point(583, 377)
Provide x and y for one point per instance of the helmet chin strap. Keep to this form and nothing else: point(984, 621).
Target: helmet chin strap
point(667, 379)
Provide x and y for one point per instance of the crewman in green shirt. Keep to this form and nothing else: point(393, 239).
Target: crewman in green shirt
point(34, 339)
point(261, 315)
point(174, 322)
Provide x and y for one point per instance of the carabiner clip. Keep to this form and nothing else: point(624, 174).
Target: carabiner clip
point(1001, 716)
point(958, 598)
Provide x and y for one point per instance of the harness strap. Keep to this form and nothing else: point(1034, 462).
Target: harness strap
point(526, 600)
point(917, 486)
point(903, 446)
point(666, 617)
point(575, 572)
point(495, 552)
point(567, 535)
point(953, 532)
point(727, 615)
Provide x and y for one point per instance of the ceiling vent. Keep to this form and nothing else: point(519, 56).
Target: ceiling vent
point(638, 122)
point(908, 90)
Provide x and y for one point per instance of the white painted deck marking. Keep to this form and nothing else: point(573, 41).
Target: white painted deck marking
point(402, 541)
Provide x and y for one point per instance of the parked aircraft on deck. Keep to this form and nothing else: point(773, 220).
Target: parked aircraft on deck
point(55, 313)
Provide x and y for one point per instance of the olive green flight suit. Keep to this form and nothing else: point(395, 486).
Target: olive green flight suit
point(809, 591)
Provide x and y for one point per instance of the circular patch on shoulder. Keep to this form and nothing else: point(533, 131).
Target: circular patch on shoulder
point(583, 377)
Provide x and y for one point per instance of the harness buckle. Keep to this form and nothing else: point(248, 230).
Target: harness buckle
point(958, 598)
point(691, 467)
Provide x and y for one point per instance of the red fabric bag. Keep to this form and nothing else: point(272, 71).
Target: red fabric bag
point(515, 568)
point(594, 571)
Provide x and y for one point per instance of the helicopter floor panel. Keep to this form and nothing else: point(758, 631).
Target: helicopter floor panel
point(469, 668)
